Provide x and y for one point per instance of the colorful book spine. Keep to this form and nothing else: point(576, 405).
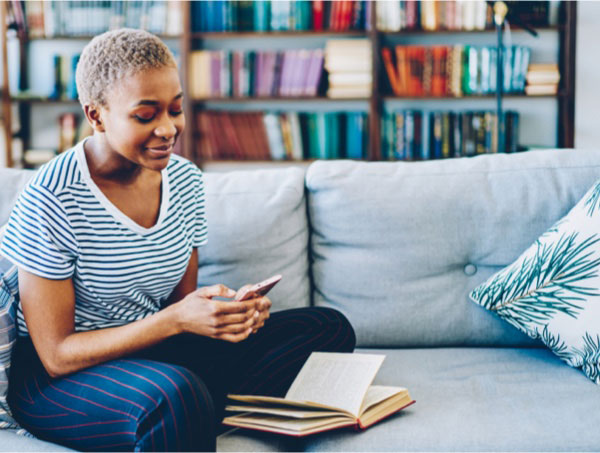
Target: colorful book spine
point(414, 135)
point(281, 135)
point(443, 71)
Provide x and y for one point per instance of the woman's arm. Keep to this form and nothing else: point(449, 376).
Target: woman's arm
point(189, 281)
point(49, 310)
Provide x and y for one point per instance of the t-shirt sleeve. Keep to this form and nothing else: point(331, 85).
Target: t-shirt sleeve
point(201, 229)
point(39, 237)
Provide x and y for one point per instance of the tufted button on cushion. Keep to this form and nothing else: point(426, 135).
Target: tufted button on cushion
point(470, 269)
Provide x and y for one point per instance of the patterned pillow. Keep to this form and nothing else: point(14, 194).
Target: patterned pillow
point(552, 291)
point(8, 334)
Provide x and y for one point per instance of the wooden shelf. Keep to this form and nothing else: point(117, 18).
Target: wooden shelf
point(274, 34)
point(44, 100)
point(513, 29)
point(471, 96)
point(80, 37)
point(277, 99)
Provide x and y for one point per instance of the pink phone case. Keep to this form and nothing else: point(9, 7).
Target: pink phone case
point(260, 289)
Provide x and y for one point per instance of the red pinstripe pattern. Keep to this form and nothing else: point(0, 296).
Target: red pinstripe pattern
point(162, 399)
point(143, 378)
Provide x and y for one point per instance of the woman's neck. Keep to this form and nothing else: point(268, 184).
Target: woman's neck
point(109, 166)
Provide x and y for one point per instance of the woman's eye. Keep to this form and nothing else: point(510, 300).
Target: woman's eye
point(176, 112)
point(144, 119)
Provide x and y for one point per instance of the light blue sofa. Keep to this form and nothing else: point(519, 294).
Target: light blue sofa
point(397, 247)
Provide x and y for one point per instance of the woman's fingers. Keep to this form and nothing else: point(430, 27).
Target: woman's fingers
point(215, 291)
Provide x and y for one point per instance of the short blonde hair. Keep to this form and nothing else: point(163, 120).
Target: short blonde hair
point(113, 55)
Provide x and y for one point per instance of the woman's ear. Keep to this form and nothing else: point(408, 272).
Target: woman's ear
point(93, 117)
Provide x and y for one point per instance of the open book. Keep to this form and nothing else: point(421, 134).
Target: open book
point(332, 390)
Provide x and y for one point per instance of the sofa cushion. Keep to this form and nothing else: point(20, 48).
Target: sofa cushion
point(9, 288)
point(14, 440)
point(13, 182)
point(399, 246)
point(552, 291)
point(257, 228)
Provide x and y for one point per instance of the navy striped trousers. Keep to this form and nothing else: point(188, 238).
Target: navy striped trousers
point(169, 397)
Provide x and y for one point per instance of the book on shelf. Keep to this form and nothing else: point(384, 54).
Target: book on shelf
point(542, 79)
point(281, 135)
point(278, 15)
point(50, 18)
point(453, 71)
point(348, 63)
point(331, 391)
point(221, 73)
point(457, 15)
point(417, 135)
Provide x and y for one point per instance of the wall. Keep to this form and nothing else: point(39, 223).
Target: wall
point(587, 93)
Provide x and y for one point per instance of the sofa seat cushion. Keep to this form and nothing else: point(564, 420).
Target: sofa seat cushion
point(257, 227)
point(10, 440)
point(398, 247)
point(468, 399)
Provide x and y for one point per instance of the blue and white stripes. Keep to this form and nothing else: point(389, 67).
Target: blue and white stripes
point(63, 226)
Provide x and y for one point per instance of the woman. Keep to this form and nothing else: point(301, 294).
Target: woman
point(119, 350)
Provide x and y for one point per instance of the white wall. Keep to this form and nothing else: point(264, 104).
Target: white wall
point(587, 72)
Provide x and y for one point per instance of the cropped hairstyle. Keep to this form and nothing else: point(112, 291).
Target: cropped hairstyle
point(113, 55)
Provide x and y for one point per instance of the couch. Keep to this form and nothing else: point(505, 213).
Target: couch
point(398, 247)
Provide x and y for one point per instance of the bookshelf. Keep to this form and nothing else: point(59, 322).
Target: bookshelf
point(380, 99)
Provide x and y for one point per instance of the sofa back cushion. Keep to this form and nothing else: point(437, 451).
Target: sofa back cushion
point(257, 227)
point(12, 183)
point(398, 247)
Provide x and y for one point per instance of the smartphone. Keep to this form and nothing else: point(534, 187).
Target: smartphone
point(259, 289)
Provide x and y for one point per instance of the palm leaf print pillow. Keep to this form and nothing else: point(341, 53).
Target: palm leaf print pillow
point(552, 291)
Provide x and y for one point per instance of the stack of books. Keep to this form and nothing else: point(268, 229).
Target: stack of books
point(542, 78)
point(453, 71)
point(348, 62)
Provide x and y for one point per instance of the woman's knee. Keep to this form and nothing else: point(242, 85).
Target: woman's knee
point(182, 417)
point(340, 336)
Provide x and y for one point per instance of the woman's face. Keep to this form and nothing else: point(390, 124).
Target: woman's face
point(144, 117)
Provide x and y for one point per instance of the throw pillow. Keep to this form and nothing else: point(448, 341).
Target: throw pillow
point(8, 334)
point(552, 291)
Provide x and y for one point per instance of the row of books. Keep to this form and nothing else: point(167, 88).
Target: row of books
point(454, 70)
point(50, 18)
point(281, 136)
point(417, 135)
point(279, 15)
point(431, 15)
point(224, 73)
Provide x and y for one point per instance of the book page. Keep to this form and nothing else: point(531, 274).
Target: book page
point(377, 393)
point(338, 380)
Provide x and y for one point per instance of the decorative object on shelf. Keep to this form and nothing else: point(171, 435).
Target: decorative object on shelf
point(348, 62)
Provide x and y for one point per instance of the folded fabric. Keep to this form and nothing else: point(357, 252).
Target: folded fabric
point(9, 288)
point(552, 291)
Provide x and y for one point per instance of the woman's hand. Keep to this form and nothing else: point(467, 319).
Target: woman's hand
point(224, 320)
point(262, 304)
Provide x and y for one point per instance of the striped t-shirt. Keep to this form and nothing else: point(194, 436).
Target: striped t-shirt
point(63, 227)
